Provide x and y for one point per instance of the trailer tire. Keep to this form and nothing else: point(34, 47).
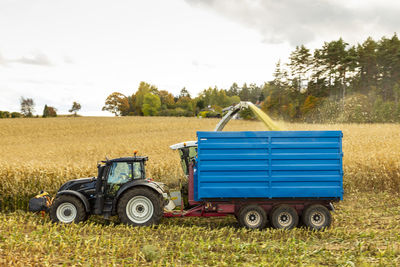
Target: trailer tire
point(140, 207)
point(67, 209)
point(316, 217)
point(252, 217)
point(284, 217)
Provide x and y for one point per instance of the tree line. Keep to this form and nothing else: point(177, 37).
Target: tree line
point(28, 108)
point(334, 83)
point(149, 101)
point(338, 83)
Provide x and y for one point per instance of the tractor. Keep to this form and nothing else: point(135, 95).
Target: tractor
point(120, 188)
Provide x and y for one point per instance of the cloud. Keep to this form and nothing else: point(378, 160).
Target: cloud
point(198, 64)
point(68, 60)
point(38, 59)
point(303, 21)
point(2, 60)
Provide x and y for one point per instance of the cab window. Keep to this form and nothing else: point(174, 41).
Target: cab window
point(137, 170)
point(188, 154)
point(120, 172)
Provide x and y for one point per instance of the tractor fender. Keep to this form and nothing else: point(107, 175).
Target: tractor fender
point(138, 183)
point(84, 200)
point(133, 184)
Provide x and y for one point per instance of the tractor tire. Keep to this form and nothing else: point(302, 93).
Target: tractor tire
point(316, 217)
point(252, 217)
point(140, 207)
point(67, 209)
point(284, 217)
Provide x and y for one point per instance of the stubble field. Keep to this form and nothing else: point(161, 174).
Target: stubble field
point(40, 154)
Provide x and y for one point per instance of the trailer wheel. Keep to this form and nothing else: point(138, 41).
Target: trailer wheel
point(284, 217)
point(67, 209)
point(316, 217)
point(140, 207)
point(252, 217)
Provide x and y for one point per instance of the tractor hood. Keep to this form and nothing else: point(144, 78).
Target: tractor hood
point(77, 184)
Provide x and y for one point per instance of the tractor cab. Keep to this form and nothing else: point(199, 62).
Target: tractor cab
point(117, 172)
point(187, 152)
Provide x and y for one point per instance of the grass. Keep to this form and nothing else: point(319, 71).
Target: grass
point(40, 154)
point(365, 231)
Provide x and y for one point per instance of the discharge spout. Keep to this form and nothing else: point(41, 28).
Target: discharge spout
point(271, 125)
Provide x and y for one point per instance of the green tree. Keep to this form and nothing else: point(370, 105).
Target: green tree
point(300, 64)
point(151, 104)
point(75, 108)
point(368, 66)
point(144, 88)
point(388, 58)
point(45, 111)
point(184, 93)
point(244, 93)
point(396, 91)
point(233, 90)
point(27, 106)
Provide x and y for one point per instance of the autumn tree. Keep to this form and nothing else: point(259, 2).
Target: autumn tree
point(49, 111)
point(167, 99)
point(117, 103)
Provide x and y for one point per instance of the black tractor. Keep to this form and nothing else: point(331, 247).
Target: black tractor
point(120, 188)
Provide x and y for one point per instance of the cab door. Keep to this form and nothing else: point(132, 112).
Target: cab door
point(119, 173)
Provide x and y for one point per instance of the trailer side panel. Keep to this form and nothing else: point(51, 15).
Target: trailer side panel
point(276, 164)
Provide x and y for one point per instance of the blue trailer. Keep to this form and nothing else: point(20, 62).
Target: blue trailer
point(260, 176)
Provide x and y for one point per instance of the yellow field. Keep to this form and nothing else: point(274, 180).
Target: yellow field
point(40, 154)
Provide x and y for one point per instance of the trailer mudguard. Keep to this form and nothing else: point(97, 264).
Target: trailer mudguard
point(84, 200)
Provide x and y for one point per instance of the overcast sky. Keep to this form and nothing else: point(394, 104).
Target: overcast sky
point(57, 52)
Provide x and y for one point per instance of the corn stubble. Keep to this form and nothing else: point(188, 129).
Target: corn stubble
point(40, 154)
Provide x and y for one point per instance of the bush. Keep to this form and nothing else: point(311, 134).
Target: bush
point(16, 115)
point(247, 114)
point(357, 108)
point(4, 114)
point(177, 112)
point(209, 114)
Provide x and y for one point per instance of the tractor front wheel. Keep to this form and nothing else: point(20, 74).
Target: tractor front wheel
point(67, 209)
point(140, 207)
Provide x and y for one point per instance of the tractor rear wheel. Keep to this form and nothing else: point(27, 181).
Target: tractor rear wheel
point(67, 209)
point(140, 207)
